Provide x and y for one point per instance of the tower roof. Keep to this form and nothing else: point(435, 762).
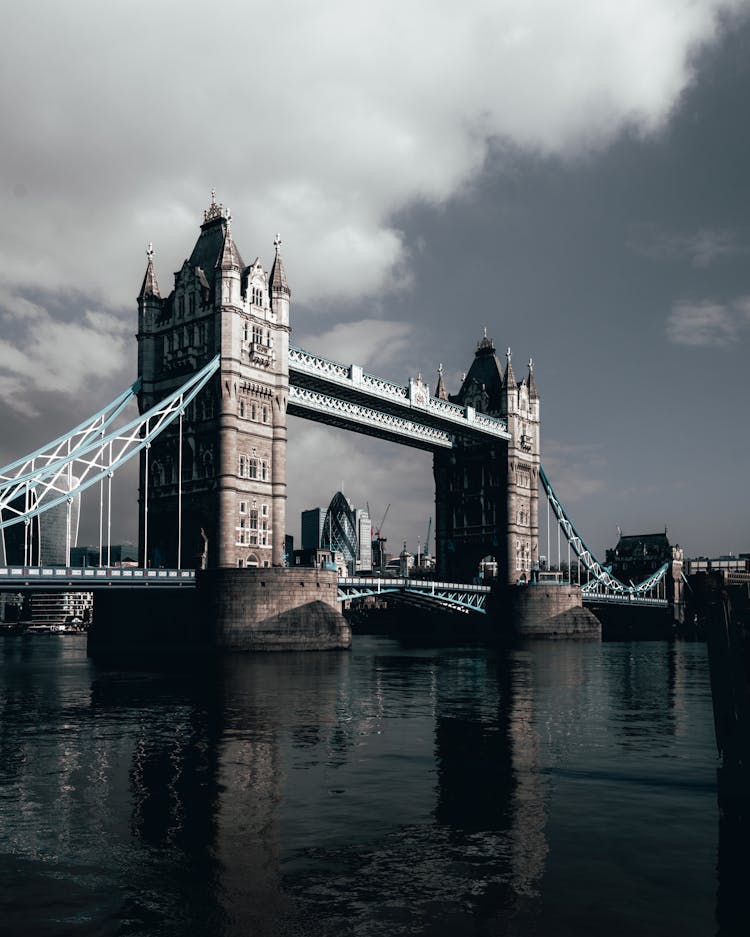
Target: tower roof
point(485, 373)
point(510, 378)
point(440, 390)
point(209, 249)
point(533, 394)
point(278, 281)
point(230, 257)
point(150, 286)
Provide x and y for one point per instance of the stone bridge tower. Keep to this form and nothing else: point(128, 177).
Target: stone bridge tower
point(232, 457)
point(486, 494)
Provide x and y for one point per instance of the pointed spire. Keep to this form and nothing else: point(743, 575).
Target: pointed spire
point(278, 281)
point(510, 378)
point(486, 346)
point(230, 257)
point(214, 211)
point(440, 390)
point(533, 394)
point(150, 286)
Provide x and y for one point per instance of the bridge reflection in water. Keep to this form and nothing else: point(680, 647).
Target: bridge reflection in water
point(384, 791)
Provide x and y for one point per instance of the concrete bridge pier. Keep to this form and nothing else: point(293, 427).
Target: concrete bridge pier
point(229, 609)
point(544, 611)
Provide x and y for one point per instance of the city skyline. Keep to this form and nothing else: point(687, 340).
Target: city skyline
point(578, 187)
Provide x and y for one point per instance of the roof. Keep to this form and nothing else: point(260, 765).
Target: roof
point(485, 372)
point(278, 281)
point(643, 544)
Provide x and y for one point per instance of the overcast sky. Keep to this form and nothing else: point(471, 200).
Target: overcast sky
point(573, 176)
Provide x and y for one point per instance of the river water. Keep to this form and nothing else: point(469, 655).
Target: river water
point(558, 788)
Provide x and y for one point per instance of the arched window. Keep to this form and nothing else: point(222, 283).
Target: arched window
point(208, 465)
point(252, 560)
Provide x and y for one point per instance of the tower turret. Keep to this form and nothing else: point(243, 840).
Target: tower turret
point(278, 286)
point(150, 307)
point(229, 268)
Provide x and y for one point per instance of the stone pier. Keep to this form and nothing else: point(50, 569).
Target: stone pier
point(229, 610)
point(546, 611)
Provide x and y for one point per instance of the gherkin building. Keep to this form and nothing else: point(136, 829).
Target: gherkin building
point(340, 530)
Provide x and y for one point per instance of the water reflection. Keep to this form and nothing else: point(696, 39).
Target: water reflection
point(385, 791)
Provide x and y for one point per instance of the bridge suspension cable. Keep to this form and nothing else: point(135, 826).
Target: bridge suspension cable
point(89, 453)
point(601, 579)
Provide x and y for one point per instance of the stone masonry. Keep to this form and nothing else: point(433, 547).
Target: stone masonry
point(232, 456)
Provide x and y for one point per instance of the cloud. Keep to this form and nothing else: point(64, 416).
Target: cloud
point(576, 471)
point(706, 323)
point(319, 120)
point(42, 353)
point(367, 343)
point(700, 248)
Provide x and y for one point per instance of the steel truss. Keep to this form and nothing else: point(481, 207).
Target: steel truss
point(89, 453)
point(316, 405)
point(602, 582)
point(413, 400)
point(458, 596)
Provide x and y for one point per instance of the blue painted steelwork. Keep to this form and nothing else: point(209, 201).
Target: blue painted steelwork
point(92, 461)
point(50, 454)
point(460, 596)
point(602, 578)
point(331, 391)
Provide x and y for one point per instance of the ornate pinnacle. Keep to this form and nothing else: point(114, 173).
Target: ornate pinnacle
point(150, 252)
point(277, 242)
point(214, 211)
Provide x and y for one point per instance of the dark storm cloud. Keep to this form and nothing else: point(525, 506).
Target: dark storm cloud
point(421, 195)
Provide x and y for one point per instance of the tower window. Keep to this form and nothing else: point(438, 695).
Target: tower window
point(181, 306)
point(252, 468)
point(191, 304)
point(265, 414)
point(242, 408)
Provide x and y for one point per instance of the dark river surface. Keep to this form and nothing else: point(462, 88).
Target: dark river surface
point(558, 788)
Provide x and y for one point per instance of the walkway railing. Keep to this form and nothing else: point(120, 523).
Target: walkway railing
point(88, 578)
point(464, 596)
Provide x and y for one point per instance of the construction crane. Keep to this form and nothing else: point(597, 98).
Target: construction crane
point(382, 521)
point(378, 554)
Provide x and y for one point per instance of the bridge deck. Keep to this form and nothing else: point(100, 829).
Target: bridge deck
point(349, 397)
point(89, 579)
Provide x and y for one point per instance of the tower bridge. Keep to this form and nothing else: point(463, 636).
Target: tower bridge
point(217, 378)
